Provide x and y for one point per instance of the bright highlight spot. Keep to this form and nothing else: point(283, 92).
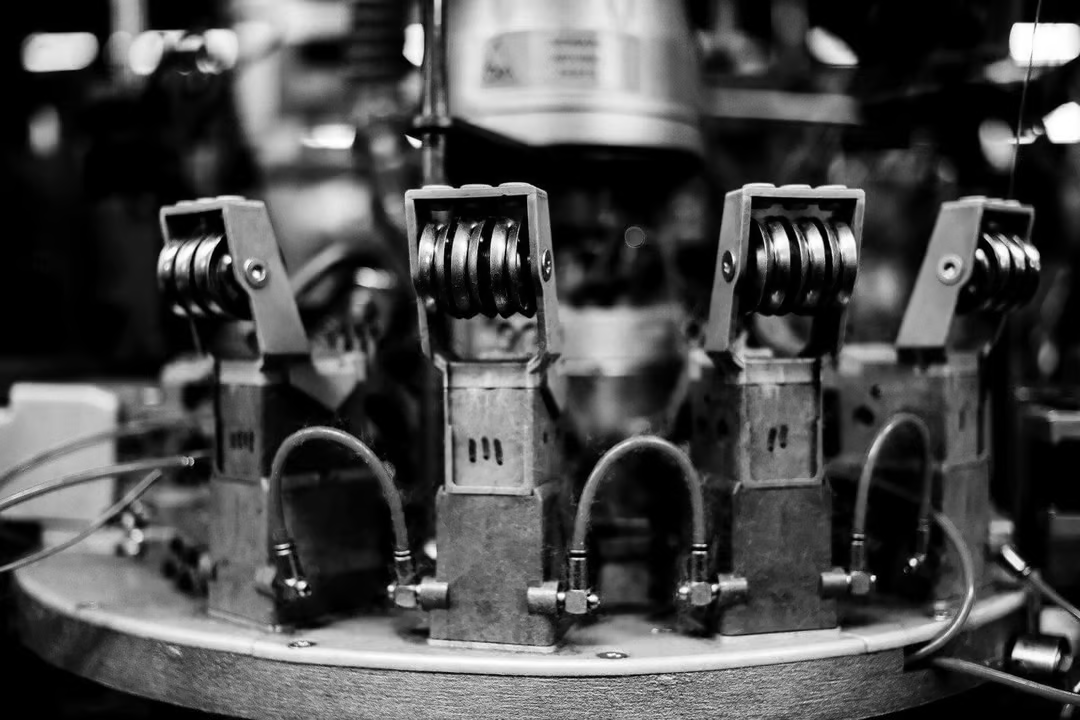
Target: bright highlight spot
point(1055, 44)
point(414, 44)
point(58, 52)
point(829, 49)
point(334, 136)
point(146, 52)
point(1063, 124)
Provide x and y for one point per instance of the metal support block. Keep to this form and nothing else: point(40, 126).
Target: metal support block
point(757, 441)
point(873, 387)
point(340, 527)
point(336, 514)
point(489, 575)
point(780, 543)
point(500, 529)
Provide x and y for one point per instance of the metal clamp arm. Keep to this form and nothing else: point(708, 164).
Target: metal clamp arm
point(785, 250)
point(979, 259)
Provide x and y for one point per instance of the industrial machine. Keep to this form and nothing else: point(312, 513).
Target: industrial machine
point(615, 502)
point(483, 255)
point(221, 263)
point(757, 418)
point(979, 264)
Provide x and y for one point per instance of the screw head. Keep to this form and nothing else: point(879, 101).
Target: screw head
point(950, 269)
point(256, 273)
point(300, 644)
point(612, 655)
point(727, 266)
point(546, 265)
point(634, 237)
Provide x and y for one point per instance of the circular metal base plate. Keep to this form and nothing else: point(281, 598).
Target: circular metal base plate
point(117, 622)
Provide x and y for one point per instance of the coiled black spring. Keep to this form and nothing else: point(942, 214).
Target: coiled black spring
point(1005, 274)
point(476, 267)
point(799, 266)
point(196, 278)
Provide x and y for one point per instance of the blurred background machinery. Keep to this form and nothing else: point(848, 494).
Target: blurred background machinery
point(354, 412)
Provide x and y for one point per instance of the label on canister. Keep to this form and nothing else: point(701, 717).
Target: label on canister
point(563, 59)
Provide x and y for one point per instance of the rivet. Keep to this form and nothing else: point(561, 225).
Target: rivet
point(546, 265)
point(727, 265)
point(612, 655)
point(256, 273)
point(301, 644)
point(950, 269)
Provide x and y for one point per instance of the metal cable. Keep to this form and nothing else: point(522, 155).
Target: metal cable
point(123, 432)
point(1068, 710)
point(1052, 595)
point(983, 672)
point(1012, 560)
point(1023, 102)
point(603, 469)
point(967, 569)
point(115, 509)
point(862, 498)
point(137, 466)
point(279, 532)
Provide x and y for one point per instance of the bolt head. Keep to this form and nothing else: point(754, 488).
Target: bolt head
point(727, 266)
point(950, 269)
point(403, 596)
point(579, 602)
point(293, 589)
point(862, 583)
point(696, 594)
point(256, 273)
point(547, 265)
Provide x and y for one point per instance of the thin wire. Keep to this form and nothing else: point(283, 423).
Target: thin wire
point(132, 429)
point(967, 569)
point(138, 466)
point(1067, 711)
point(1052, 595)
point(115, 509)
point(1023, 101)
point(983, 672)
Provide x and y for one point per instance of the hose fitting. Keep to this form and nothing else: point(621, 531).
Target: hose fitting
point(290, 580)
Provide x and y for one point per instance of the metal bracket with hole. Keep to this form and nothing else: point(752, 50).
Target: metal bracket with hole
point(481, 259)
point(788, 250)
point(221, 260)
point(954, 267)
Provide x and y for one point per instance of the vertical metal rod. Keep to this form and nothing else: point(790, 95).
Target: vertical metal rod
point(434, 108)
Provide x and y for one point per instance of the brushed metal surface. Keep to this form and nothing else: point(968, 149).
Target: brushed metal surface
point(115, 622)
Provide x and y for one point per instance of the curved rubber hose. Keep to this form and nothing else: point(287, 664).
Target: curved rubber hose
point(862, 497)
point(967, 570)
point(603, 469)
point(279, 533)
